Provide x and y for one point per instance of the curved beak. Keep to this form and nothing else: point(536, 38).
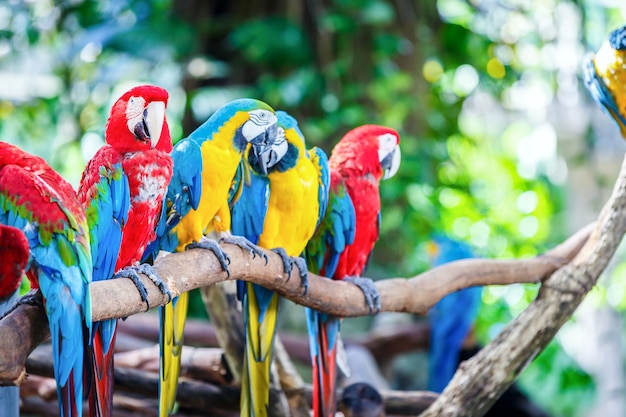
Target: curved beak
point(262, 144)
point(153, 117)
point(391, 163)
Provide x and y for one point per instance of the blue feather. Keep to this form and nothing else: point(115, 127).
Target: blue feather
point(248, 219)
point(183, 195)
point(450, 319)
point(323, 195)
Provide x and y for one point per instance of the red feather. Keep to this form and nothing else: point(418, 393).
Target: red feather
point(355, 163)
point(149, 171)
point(14, 253)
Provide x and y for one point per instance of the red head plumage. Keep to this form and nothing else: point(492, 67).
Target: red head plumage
point(14, 253)
point(363, 150)
point(137, 121)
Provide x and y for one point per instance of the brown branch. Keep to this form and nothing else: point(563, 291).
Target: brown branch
point(482, 379)
point(211, 399)
point(384, 343)
point(197, 267)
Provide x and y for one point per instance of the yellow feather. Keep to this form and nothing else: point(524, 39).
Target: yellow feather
point(610, 65)
point(255, 383)
point(220, 160)
point(289, 223)
point(173, 319)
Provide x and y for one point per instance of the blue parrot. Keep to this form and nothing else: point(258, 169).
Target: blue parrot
point(451, 318)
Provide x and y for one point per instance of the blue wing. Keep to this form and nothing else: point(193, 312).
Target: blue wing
point(450, 319)
point(248, 213)
point(600, 93)
point(106, 213)
point(320, 160)
point(335, 232)
point(342, 229)
point(183, 194)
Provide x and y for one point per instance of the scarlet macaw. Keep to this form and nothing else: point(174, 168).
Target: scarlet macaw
point(14, 254)
point(37, 200)
point(451, 318)
point(280, 212)
point(122, 189)
point(605, 77)
point(344, 240)
point(206, 167)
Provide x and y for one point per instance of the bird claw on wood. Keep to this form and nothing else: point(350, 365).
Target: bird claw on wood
point(244, 244)
point(213, 246)
point(32, 297)
point(372, 296)
point(132, 272)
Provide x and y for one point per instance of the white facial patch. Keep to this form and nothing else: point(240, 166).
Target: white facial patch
point(258, 123)
point(134, 112)
point(386, 144)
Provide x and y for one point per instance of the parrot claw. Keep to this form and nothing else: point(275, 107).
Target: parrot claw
point(132, 272)
point(32, 297)
point(244, 244)
point(304, 273)
point(286, 261)
point(372, 296)
point(289, 261)
point(213, 246)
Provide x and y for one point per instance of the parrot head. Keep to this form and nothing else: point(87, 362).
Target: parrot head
point(137, 121)
point(368, 149)
point(605, 77)
point(250, 123)
point(14, 251)
point(283, 154)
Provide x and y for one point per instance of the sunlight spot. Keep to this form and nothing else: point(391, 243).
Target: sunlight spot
point(528, 226)
point(527, 202)
point(90, 52)
point(465, 80)
point(432, 70)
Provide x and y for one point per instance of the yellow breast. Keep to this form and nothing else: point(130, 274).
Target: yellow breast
point(611, 67)
point(292, 210)
point(219, 165)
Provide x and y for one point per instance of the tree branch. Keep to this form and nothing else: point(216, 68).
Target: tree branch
point(196, 268)
point(482, 379)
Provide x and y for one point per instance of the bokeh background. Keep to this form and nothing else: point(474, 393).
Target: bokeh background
point(502, 146)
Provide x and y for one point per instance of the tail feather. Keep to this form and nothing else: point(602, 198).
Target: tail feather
point(69, 405)
point(260, 308)
point(173, 316)
point(100, 374)
point(323, 334)
point(67, 331)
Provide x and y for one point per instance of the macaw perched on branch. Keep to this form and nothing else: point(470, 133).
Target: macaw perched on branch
point(280, 212)
point(451, 318)
point(14, 253)
point(122, 189)
point(37, 200)
point(206, 172)
point(344, 240)
point(605, 77)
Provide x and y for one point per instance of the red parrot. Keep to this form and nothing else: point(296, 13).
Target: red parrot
point(14, 255)
point(344, 240)
point(122, 189)
point(36, 199)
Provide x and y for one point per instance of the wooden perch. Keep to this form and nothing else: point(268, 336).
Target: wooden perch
point(198, 267)
point(209, 398)
point(480, 381)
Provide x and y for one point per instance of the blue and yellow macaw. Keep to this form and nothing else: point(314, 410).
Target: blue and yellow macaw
point(451, 318)
point(206, 168)
point(605, 77)
point(280, 212)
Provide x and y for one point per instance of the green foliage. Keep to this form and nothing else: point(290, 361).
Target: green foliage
point(480, 161)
